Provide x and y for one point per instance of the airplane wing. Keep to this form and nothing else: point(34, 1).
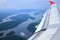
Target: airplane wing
point(49, 27)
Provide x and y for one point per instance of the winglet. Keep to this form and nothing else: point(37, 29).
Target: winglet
point(51, 2)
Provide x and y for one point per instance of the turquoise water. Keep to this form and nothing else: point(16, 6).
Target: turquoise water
point(26, 22)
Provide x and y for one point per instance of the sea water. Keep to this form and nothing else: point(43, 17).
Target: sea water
point(19, 24)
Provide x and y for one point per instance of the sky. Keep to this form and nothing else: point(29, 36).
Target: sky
point(58, 3)
point(25, 4)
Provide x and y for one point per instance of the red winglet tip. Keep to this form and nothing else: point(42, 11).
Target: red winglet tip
point(51, 2)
